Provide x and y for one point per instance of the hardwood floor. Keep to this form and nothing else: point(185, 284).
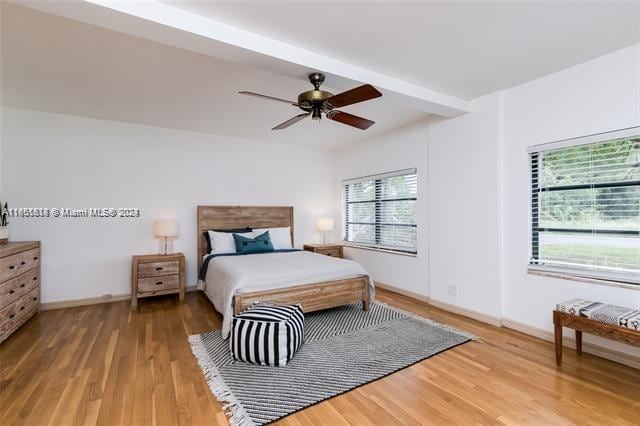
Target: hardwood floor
point(106, 364)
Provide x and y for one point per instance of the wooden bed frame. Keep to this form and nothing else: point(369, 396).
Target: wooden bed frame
point(313, 297)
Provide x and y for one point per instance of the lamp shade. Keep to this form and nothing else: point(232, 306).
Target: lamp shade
point(165, 228)
point(325, 225)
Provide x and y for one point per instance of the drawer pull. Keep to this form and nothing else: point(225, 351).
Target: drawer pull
point(159, 283)
point(11, 291)
point(35, 278)
point(11, 316)
point(159, 268)
point(35, 258)
point(12, 267)
point(23, 263)
point(22, 285)
point(22, 308)
point(35, 298)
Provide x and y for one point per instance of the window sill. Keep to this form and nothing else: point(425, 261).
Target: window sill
point(572, 277)
point(355, 246)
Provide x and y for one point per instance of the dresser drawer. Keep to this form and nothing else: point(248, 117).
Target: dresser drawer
point(16, 264)
point(15, 320)
point(24, 306)
point(158, 283)
point(7, 326)
point(158, 269)
point(11, 290)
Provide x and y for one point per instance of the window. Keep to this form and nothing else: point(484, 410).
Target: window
point(380, 211)
point(585, 206)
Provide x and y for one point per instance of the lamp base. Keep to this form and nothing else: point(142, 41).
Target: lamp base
point(165, 246)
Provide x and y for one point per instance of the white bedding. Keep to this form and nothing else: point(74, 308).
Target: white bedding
point(228, 275)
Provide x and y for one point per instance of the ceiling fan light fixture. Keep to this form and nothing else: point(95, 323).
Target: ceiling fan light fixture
point(316, 115)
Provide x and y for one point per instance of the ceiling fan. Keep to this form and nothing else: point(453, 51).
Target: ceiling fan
point(315, 102)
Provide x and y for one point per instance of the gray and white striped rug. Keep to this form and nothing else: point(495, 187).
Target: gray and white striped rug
point(344, 348)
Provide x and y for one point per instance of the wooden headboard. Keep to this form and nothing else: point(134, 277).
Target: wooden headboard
point(236, 217)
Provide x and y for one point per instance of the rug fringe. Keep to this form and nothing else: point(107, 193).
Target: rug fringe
point(231, 406)
point(432, 322)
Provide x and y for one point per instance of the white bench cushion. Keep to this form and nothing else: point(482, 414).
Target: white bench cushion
point(602, 312)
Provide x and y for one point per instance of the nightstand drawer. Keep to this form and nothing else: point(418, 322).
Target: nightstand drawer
point(158, 269)
point(330, 252)
point(158, 283)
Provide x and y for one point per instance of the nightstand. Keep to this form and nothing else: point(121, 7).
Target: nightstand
point(155, 275)
point(334, 250)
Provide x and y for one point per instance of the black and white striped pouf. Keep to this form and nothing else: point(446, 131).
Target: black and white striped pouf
point(267, 334)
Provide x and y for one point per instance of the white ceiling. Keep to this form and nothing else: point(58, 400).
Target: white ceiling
point(465, 49)
point(178, 64)
point(55, 64)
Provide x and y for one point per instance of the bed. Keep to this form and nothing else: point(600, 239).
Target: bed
point(323, 282)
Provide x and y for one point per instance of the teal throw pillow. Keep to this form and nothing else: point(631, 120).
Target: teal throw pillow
point(260, 244)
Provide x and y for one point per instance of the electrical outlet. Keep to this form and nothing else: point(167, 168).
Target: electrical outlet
point(452, 290)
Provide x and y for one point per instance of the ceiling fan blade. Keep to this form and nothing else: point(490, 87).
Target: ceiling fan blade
point(271, 98)
point(350, 119)
point(291, 121)
point(353, 96)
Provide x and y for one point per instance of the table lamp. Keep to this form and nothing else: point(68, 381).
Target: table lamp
point(324, 225)
point(165, 229)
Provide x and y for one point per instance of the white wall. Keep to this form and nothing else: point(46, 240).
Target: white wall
point(598, 96)
point(400, 149)
point(464, 216)
point(477, 173)
point(53, 160)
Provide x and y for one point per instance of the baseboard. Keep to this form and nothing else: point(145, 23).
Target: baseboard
point(482, 317)
point(407, 293)
point(74, 303)
point(570, 342)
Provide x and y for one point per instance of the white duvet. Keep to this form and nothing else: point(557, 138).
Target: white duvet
point(228, 275)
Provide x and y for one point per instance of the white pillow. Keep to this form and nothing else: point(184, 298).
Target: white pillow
point(223, 242)
point(280, 237)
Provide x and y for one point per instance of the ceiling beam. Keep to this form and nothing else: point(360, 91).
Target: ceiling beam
point(171, 25)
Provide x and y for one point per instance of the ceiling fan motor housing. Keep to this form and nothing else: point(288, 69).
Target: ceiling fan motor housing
point(312, 100)
point(307, 100)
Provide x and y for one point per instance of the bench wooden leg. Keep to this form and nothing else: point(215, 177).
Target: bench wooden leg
point(579, 342)
point(557, 328)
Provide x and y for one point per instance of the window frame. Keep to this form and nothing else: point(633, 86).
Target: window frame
point(535, 266)
point(377, 179)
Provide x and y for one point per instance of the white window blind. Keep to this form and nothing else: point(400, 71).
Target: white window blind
point(380, 211)
point(585, 207)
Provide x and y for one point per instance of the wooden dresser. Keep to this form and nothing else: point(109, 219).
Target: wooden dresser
point(19, 285)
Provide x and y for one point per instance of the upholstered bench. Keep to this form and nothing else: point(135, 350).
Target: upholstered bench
point(267, 334)
point(609, 321)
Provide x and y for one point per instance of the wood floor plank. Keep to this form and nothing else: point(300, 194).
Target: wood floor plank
point(110, 365)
